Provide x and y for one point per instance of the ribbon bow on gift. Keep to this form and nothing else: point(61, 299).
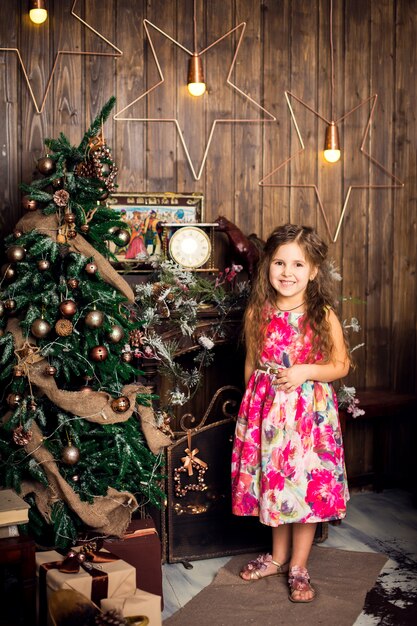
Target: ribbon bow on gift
point(191, 458)
point(85, 558)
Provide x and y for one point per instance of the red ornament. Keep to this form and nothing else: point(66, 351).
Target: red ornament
point(28, 204)
point(91, 268)
point(68, 308)
point(99, 353)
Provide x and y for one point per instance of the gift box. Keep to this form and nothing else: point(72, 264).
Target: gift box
point(95, 581)
point(141, 603)
point(141, 547)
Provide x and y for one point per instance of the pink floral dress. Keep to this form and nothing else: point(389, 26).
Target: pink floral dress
point(287, 460)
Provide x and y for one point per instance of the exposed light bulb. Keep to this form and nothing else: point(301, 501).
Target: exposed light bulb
point(331, 144)
point(37, 12)
point(196, 85)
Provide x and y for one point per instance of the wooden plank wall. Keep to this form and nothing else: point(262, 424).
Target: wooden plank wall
point(286, 46)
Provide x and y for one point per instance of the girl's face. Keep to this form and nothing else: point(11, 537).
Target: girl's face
point(289, 273)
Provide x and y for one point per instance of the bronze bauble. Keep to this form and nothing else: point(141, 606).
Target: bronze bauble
point(73, 283)
point(99, 353)
point(91, 268)
point(115, 334)
point(28, 204)
point(63, 328)
point(122, 237)
point(32, 406)
point(120, 405)
point(84, 228)
point(70, 218)
point(13, 399)
point(18, 371)
point(75, 478)
point(86, 389)
point(8, 272)
point(71, 234)
point(57, 183)
point(70, 455)
point(10, 305)
point(94, 319)
point(127, 357)
point(68, 308)
point(17, 233)
point(43, 265)
point(46, 165)
point(2, 309)
point(16, 253)
point(50, 370)
point(40, 328)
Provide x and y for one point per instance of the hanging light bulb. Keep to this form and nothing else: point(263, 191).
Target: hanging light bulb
point(331, 144)
point(37, 11)
point(196, 85)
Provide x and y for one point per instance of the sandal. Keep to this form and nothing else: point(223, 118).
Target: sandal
point(256, 567)
point(299, 580)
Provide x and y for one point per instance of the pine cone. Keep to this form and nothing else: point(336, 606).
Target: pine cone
point(110, 617)
point(63, 328)
point(61, 197)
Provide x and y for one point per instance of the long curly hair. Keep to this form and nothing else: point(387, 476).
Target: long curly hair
point(320, 292)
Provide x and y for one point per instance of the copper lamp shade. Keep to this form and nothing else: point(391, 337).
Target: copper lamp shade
point(196, 85)
point(332, 143)
point(37, 11)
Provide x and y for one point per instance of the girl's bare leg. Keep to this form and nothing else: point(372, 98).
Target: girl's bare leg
point(302, 540)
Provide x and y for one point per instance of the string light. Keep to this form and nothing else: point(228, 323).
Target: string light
point(195, 83)
point(37, 12)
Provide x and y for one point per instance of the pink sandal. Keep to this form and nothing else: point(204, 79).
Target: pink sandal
point(299, 580)
point(260, 564)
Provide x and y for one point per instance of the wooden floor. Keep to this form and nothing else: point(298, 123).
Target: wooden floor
point(376, 522)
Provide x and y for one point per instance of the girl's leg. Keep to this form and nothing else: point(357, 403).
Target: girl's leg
point(302, 540)
point(281, 551)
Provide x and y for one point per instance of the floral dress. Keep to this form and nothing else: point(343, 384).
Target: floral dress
point(287, 460)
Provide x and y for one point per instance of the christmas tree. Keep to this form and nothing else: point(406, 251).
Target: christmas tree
point(71, 441)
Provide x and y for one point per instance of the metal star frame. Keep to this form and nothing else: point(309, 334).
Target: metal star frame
point(397, 183)
point(40, 108)
point(117, 116)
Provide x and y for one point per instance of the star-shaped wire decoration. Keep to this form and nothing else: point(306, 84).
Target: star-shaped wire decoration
point(40, 106)
point(395, 184)
point(197, 172)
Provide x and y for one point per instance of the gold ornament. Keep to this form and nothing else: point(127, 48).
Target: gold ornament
point(191, 462)
point(16, 254)
point(8, 272)
point(40, 328)
point(46, 165)
point(115, 334)
point(70, 455)
point(94, 319)
point(121, 404)
point(43, 265)
point(64, 328)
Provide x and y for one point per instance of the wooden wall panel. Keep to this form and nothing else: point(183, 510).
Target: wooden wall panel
point(286, 46)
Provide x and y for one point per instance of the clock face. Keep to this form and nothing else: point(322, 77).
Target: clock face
point(190, 247)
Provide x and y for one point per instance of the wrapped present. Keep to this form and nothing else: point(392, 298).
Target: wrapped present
point(94, 579)
point(141, 547)
point(141, 603)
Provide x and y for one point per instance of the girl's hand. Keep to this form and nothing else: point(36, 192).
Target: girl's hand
point(292, 377)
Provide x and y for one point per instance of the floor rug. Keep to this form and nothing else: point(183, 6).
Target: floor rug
point(341, 578)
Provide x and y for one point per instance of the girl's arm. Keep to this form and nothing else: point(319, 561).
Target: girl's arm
point(249, 369)
point(338, 367)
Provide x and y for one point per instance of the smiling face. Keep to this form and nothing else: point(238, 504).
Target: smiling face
point(289, 273)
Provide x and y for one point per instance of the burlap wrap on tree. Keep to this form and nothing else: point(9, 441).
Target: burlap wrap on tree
point(109, 514)
point(48, 225)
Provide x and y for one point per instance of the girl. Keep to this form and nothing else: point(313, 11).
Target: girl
point(287, 462)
